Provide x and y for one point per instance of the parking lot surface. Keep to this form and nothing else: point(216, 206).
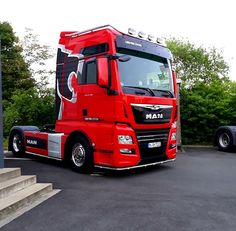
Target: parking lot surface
point(196, 192)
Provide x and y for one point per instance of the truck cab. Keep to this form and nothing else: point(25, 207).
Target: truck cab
point(115, 104)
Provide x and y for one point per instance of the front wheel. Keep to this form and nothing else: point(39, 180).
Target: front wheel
point(224, 140)
point(81, 155)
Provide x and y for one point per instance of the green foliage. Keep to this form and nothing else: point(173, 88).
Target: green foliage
point(204, 108)
point(207, 96)
point(15, 72)
point(36, 56)
point(25, 101)
point(29, 107)
point(194, 64)
point(5, 143)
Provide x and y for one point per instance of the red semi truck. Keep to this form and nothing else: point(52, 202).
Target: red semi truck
point(115, 103)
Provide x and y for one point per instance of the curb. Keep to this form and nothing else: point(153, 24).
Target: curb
point(182, 149)
point(198, 146)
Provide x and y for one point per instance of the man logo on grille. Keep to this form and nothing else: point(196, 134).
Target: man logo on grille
point(154, 116)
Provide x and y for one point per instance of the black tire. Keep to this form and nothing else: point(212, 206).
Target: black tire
point(81, 155)
point(224, 140)
point(16, 142)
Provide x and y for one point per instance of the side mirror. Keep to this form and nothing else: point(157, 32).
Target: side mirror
point(102, 64)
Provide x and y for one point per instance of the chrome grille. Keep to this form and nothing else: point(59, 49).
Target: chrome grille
point(145, 137)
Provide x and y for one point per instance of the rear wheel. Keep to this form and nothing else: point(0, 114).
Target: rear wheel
point(17, 143)
point(81, 155)
point(224, 140)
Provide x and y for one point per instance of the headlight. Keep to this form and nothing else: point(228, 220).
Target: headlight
point(173, 136)
point(122, 139)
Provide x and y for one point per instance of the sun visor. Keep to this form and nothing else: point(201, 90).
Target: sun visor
point(131, 43)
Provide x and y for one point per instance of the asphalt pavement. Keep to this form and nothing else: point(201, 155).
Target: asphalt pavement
point(197, 192)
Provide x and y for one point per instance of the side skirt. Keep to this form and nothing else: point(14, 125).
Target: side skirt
point(48, 157)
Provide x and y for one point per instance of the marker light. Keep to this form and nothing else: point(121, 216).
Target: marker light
point(132, 31)
point(161, 41)
point(141, 34)
point(150, 37)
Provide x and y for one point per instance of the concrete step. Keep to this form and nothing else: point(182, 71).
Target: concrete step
point(9, 173)
point(22, 198)
point(15, 184)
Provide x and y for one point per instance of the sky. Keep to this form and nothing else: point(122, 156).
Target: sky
point(205, 23)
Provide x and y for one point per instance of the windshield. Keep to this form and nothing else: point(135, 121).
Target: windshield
point(145, 74)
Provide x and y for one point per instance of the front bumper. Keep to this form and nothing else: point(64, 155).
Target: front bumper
point(140, 152)
point(134, 167)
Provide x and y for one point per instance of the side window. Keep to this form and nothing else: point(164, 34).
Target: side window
point(91, 73)
point(94, 50)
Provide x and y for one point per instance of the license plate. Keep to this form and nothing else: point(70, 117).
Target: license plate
point(154, 145)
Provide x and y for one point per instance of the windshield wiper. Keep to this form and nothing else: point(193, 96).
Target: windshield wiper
point(170, 93)
point(143, 88)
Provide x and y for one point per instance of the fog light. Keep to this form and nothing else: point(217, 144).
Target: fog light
point(173, 136)
point(122, 139)
point(172, 146)
point(126, 151)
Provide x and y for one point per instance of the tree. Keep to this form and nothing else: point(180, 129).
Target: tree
point(36, 56)
point(207, 96)
point(206, 107)
point(15, 71)
point(25, 102)
point(194, 64)
point(29, 107)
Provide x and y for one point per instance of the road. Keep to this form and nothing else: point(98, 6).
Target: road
point(196, 192)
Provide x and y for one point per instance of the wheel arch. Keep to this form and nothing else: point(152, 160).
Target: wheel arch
point(21, 130)
point(70, 139)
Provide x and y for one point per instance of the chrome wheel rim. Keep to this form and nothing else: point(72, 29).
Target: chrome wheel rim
point(78, 155)
point(16, 143)
point(224, 140)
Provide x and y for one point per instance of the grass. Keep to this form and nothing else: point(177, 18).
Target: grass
point(5, 143)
